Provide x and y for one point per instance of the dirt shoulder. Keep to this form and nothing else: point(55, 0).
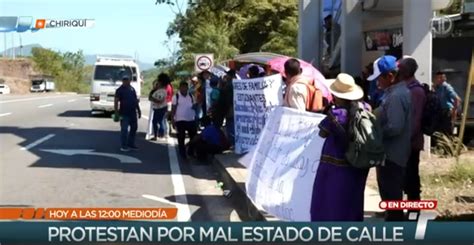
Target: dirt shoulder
point(448, 181)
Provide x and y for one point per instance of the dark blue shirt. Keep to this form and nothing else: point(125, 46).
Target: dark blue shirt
point(211, 135)
point(128, 101)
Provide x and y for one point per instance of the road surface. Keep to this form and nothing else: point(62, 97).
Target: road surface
point(54, 153)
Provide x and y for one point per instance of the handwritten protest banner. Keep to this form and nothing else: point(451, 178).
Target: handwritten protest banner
point(284, 164)
point(253, 100)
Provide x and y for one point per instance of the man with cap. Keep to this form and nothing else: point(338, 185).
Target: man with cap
point(127, 109)
point(408, 67)
point(394, 114)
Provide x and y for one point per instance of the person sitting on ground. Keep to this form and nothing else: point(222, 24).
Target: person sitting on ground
point(210, 141)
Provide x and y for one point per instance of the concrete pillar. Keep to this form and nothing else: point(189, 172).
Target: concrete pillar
point(351, 37)
point(417, 41)
point(310, 30)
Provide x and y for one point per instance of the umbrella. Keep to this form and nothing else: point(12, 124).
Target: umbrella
point(219, 70)
point(309, 71)
point(245, 69)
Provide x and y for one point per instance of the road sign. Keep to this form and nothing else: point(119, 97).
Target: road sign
point(203, 62)
point(71, 152)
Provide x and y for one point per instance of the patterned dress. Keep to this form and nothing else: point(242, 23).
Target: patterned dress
point(338, 191)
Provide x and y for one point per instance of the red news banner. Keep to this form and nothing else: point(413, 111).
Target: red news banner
point(88, 213)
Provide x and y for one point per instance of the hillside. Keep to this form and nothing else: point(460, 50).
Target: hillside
point(16, 74)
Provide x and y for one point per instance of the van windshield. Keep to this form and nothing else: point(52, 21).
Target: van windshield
point(37, 82)
point(115, 73)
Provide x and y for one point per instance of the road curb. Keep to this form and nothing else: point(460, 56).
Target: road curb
point(234, 175)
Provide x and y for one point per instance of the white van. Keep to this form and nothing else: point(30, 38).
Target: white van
point(107, 77)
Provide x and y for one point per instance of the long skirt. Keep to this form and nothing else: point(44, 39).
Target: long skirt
point(338, 193)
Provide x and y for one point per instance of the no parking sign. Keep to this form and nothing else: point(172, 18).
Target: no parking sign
point(203, 62)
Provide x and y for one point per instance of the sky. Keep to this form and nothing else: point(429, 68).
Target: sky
point(121, 26)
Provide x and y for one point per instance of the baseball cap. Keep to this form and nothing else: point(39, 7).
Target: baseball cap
point(383, 65)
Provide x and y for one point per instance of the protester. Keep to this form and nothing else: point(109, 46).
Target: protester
point(205, 78)
point(338, 191)
point(217, 110)
point(450, 102)
point(394, 114)
point(407, 68)
point(196, 89)
point(227, 102)
point(211, 141)
point(157, 97)
point(127, 109)
point(166, 80)
point(254, 72)
point(375, 93)
point(184, 116)
point(296, 92)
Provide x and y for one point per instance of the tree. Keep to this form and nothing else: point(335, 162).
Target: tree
point(67, 69)
point(226, 28)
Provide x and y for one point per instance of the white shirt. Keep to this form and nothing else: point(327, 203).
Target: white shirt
point(296, 96)
point(159, 95)
point(184, 110)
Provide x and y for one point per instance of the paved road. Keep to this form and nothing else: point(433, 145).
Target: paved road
point(55, 154)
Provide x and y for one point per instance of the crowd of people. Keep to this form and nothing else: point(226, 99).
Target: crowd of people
point(397, 100)
point(392, 96)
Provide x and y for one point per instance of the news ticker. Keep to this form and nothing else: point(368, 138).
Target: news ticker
point(246, 232)
point(28, 23)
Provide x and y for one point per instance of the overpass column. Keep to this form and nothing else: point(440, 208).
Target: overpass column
point(351, 37)
point(310, 30)
point(417, 39)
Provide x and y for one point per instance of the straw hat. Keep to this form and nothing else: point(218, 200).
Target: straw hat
point(344, 87)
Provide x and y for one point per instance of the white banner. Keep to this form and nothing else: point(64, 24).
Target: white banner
point(253, 100)
point(284, 164)
point(149, 131)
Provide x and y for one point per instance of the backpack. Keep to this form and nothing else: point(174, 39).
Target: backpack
point(315, 101)
point(432, 110)
point(365, 148)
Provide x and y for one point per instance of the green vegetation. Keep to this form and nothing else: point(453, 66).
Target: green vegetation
point(226, 28)
point(68, 69)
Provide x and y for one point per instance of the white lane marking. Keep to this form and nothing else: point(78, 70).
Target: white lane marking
point(45, 138)
point(72, 152)
point(44, 106)
point(69, 101)
point(163, 200)
point(184, 213)
point(5, 114)
point(30, 99)
point(145, 117)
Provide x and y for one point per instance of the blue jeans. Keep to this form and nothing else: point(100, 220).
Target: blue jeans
point(127, 137)
point(158, 118)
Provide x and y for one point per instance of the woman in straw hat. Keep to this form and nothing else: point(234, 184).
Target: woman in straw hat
point(338, 190)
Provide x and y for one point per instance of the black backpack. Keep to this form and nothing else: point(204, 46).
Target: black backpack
point(432, 110)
